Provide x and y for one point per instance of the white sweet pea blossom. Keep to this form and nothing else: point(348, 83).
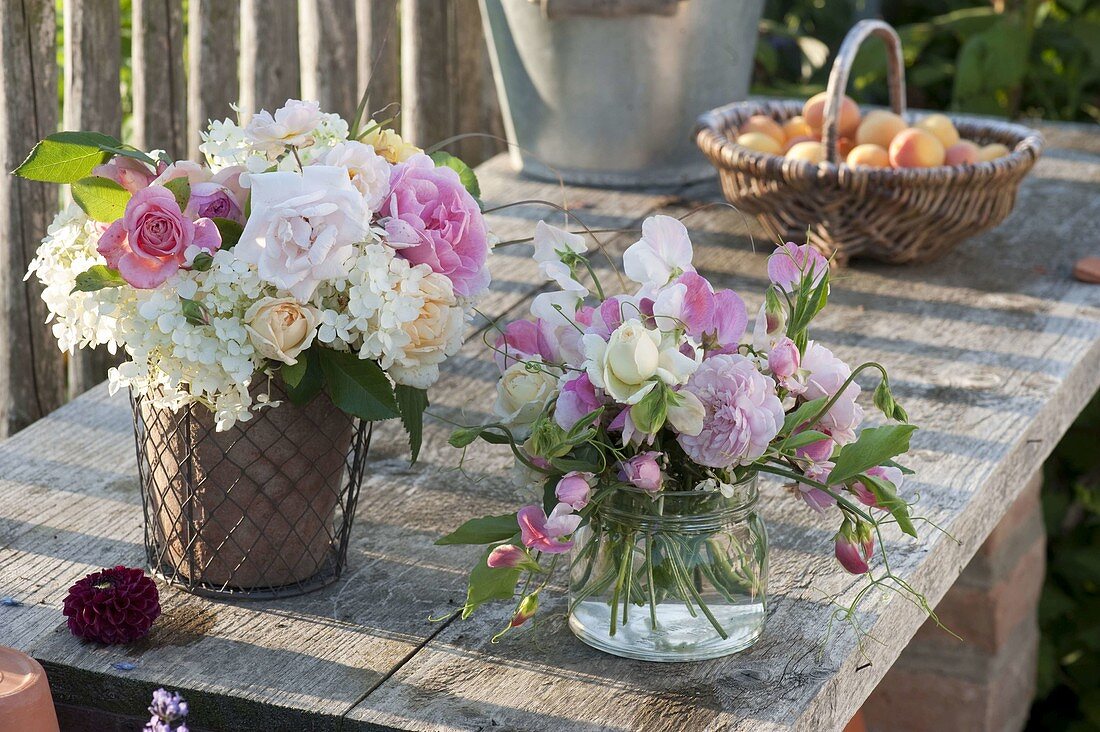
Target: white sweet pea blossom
point(553, 246)
point(558, 311)
point(292, 124)
point(302, 227)
point(663, 253)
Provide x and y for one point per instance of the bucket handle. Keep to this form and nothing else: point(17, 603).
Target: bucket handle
point(838, 76)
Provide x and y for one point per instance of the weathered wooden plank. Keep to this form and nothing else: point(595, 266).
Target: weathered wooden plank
point(92, 102)
point(269, 54)
point(160, 88)
point(444, 76)
point(328, 54)
point(993, 351)
point(214, 41)
point(32, 370)
point(379, 51)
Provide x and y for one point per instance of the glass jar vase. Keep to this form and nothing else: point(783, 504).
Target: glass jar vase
point(672, 576)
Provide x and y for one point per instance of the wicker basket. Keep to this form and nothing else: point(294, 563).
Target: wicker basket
point(893, 215)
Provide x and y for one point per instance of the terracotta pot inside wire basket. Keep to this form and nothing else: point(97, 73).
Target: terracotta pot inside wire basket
point(261, 510)
point(893, 215)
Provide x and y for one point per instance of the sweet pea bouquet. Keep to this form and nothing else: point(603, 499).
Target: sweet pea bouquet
point(339, 256)
point(672, 391)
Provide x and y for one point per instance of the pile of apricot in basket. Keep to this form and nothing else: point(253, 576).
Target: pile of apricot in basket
point(878, 139)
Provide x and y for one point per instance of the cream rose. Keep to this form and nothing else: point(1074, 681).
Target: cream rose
point(369, 172)
point(435, 334)
point(390, 145)
point(628, 365)
point(280, 328)
point(523, 391)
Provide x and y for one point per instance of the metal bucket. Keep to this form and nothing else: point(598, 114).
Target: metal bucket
point(612, 101)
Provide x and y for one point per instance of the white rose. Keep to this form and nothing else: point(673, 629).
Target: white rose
point(625, 365)
point(522, 392)
point(369, 172)
point(292, 124)
point(279, 328)
point(302, 227)
point(435, 334)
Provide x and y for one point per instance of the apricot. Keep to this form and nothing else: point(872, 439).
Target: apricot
point(766, 125)
point(913, 148)
point(991, 152)
point(869, 155)
point(791, 142)
point(963, 152)
point(797, 127)
point(942, 127)
point(879, 127)
point(760, 142)
point(813, 111)
point(811, 152)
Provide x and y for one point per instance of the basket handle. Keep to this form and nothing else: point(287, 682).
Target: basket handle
point(838, 76)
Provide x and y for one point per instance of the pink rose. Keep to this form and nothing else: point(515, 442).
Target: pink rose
point(147, 244)
point(210, 201)
point(133, 175)
point(433, 220)
point(643, 471)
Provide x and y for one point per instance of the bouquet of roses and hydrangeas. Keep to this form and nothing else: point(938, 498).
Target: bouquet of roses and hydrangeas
point(667, 390)
point(335, 255)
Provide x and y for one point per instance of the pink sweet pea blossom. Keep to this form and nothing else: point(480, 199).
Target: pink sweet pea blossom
point(742, 412)
point(147, 244)
point(432, 219)
point(506, 556)
point(131, 174)
point(885, 472)
point(784, 361)
point(730, 319)
point(788, 263)
point(842, 420)
point(826, 372)
point(575, 488)
point(687, 303)
point(189, 169)
point(545, 533)
point(576, 398)
point(523, 340)
point(643, 471)
point(854, 547)
point(814, 497)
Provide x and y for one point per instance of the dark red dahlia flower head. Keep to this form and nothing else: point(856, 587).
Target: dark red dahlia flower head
point(112, 606)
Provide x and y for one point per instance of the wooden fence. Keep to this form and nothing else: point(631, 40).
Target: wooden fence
point(427, 55)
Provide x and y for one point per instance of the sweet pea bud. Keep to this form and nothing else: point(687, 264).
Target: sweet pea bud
point(847, 549)
point(774, 311)
point(528, 606)
point(510, 556)
point(547, 439)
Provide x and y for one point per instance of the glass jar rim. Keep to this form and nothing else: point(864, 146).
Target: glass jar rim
point(737, 506)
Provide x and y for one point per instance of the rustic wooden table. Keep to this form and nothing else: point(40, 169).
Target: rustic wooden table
point(993, 351)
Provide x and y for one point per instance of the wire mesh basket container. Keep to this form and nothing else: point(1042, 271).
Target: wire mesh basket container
point(261, 510)
point(893, 215)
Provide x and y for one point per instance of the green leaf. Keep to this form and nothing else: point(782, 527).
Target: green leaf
point(304, 379)
point(803, 438)
point(465, 172)
point(484, 530)
point(230, 231)
point(874, 446)
point(101, 198)
point(802, 414)
point(181, 189)
point(649, 414)
point(357, 385)
point(489, 583)
point(412, 402)
point(194, 312)
point(202, 262)
point(97, 277)
point(886, 495)
point(66, 157)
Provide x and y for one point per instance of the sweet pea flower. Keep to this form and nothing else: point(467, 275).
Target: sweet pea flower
point(506, 556)
point(303, 227)
point(842, 420)
point(730, 319)
point(768, 328)
point(663, 253)
point(814, 497)
point(605, 319)
point(556, 313)
point(546, 533)
point(788, 263)
point(687, 303)
point(528, 606)
point(522, 340)
point(189, 169)
point(825, 372)
point(554, 248)
point(148, 243)
point(292, 125)
point(643, 471)
point(432, 219)
point(884, 472)
point(854, 547)
point(576, 398)
point(575, 488)
point(784, 361)
point(742, 412)
point(131, 174)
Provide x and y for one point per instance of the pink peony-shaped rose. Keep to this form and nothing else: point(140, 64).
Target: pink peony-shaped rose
point(147, 244)
point(112, 606)
point(432, 219)
point(743, 412)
